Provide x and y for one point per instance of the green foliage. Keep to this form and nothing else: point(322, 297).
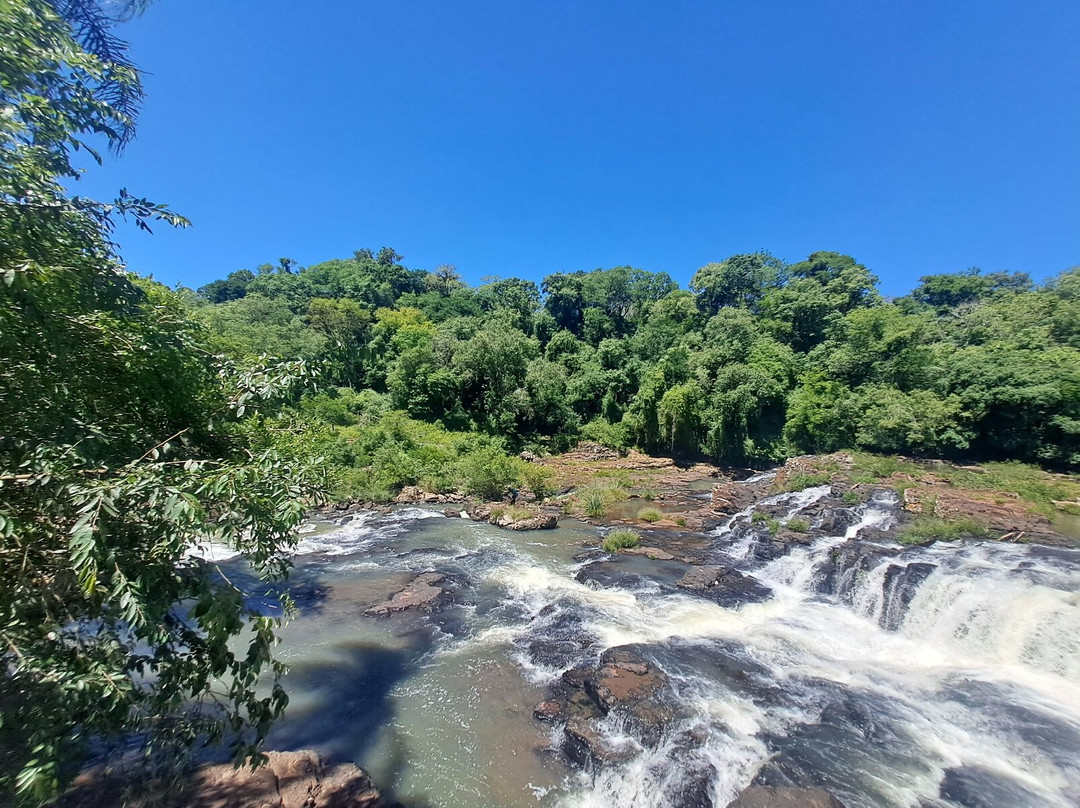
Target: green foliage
point(620, 540)
point(925, 528)
point(798, 524)
point(594, 501)
point(803, 480)
point(537, 479)
point(650, 515)
point(489, 473)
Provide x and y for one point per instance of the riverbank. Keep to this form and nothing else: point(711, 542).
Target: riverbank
point(941, 501)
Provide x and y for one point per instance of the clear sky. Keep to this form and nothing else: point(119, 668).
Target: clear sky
point(523, 138)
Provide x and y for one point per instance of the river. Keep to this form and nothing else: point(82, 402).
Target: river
point(937, 677)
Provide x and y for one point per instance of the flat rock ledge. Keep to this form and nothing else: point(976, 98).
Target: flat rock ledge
point(299, 779)
point(426, 592)
point(724, 585)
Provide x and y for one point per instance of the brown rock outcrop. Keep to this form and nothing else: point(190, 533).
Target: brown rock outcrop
point(288, 780)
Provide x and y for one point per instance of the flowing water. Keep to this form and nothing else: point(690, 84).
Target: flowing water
point(941, 677)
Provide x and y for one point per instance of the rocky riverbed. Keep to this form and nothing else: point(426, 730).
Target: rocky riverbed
point(788, 651)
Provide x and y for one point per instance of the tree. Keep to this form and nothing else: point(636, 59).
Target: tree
point(740, 280)
point(120, 451)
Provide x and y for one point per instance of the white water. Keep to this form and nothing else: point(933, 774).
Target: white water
point(972, 702)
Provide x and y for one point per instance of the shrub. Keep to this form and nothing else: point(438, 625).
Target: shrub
point(614, 436)
point(650, 515)
point(798, 524)
point(850, 498)
point(537, 479)
point(488, 472)
point(619, 539)
point(680, 521)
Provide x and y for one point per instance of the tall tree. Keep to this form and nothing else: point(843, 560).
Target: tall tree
point(120, 451)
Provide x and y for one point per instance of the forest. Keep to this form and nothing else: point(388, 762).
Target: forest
point(757, 361)
point(139, 420)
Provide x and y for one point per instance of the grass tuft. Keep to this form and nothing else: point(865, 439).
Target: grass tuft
point(620, 539)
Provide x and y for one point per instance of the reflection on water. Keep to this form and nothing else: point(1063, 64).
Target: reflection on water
point(971, 701)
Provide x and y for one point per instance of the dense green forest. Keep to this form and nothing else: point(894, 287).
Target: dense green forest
point(141, 420)
point(758, 360)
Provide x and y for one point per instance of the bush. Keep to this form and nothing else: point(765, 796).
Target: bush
point(614, 436)
point(487, 473)
point(620, 539)
point(798, 524)
point(537, 479)
point(850, 498)
point(650, 515)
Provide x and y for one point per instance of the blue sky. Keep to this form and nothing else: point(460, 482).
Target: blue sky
point(522, 138)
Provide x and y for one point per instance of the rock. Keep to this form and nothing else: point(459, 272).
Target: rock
point(422, 592)
point(547, 711)
point(654, 553)
point(731, 497)
point(785, 797)
point(450, 513)
point(288, 780)
point(586, 745)
point(528, 456)
point(900, 586)
point(542, 521)
point(723, 585)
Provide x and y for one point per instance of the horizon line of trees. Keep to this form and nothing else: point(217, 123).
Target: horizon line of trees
point(757, 360)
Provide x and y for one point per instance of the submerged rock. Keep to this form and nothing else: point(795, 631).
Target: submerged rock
point(423, 592)
point(785, 797)
point(724, 585)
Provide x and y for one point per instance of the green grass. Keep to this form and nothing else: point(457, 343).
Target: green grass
point(926, 528)
point(798, 524)
point(1035, 488)
point(595, 499)
point(650, 515)
point(850, 498)
point(680, 521)
point(772, 523)
point(804, 480)
point(620, 539)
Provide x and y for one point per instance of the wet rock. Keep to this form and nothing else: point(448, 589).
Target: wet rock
point(298, 779)
point(785, 797)
point(847, 564)
point(608, 574)
point(586, 745)
point(422, 593)
point(724, 585)
point(451, 513)
point(547, 711)
point(624, 679)
point(900, 587)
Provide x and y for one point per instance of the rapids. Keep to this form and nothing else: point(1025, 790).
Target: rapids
point(938, 677)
